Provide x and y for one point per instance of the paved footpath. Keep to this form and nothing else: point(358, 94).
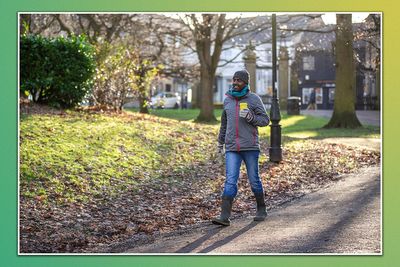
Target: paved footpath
point(342, 218)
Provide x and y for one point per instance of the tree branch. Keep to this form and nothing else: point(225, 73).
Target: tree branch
point(305, 30)
point(232, 59)
point(63, 25)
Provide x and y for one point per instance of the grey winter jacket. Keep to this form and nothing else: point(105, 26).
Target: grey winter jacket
point(237, 133)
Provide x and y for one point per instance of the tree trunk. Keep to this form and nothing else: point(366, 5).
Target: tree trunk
point(208, 63)
point(344, 114)
point(206, 96)
point(143, 108)
point(142, 97)
point(378, 86)
point(142, 90)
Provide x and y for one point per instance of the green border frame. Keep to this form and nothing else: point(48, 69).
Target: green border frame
point(9, 130)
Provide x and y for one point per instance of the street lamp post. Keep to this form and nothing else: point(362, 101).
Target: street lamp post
point(275, 150)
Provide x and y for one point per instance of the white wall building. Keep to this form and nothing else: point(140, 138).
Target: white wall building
point(263, 71)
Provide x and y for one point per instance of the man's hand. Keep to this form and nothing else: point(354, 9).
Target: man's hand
point(247, 114)
point(220, 150)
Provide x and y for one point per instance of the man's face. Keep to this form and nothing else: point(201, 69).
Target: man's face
point(238, 84)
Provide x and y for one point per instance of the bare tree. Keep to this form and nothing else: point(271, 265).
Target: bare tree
point(368, 34)
point(208, 34)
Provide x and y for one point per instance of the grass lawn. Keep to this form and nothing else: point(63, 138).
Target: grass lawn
point(177, 114)
point(311, 127)
point(292, 126)
point(80, 155)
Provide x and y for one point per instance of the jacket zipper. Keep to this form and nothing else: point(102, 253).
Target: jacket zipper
point(237, 126)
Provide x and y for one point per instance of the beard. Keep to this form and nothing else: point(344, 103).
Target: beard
point(236, 87)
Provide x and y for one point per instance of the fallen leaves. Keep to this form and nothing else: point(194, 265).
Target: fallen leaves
point(183, 192)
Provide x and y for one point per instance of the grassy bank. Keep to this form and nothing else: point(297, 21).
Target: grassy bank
point(77, 156)
point(81, 155)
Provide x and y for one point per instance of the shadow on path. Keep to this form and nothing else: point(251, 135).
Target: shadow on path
point(365, 196)
point(195, 244)
point(228, 239)
point(344, 218)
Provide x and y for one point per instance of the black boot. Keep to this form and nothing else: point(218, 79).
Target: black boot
point(261, 208)
point(226, 208)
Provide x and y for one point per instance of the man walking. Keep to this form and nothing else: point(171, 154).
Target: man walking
point(312, 104)
point(243, 113)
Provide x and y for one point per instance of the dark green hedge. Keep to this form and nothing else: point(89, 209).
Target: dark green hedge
point(56, 71)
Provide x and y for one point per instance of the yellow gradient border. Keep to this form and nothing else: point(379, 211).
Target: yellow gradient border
point(9, 130)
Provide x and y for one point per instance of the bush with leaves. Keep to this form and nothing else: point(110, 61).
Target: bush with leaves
point(56, 71)
point(121, 74)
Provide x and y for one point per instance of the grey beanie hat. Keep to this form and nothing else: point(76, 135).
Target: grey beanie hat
point(242, 75)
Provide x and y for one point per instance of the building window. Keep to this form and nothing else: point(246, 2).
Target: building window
point(331, 95)
point(308, 63)
point(318, 96)
point(306, 95)
point(269, 55)
point(167, 88)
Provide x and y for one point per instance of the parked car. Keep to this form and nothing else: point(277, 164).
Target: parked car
point(166, 100)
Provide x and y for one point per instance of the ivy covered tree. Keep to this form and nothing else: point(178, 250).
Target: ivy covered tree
point(344, 114)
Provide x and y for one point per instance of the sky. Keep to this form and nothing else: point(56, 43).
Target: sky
point(329, 18)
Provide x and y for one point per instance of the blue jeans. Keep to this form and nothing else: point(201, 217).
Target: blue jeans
point(233, 161)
